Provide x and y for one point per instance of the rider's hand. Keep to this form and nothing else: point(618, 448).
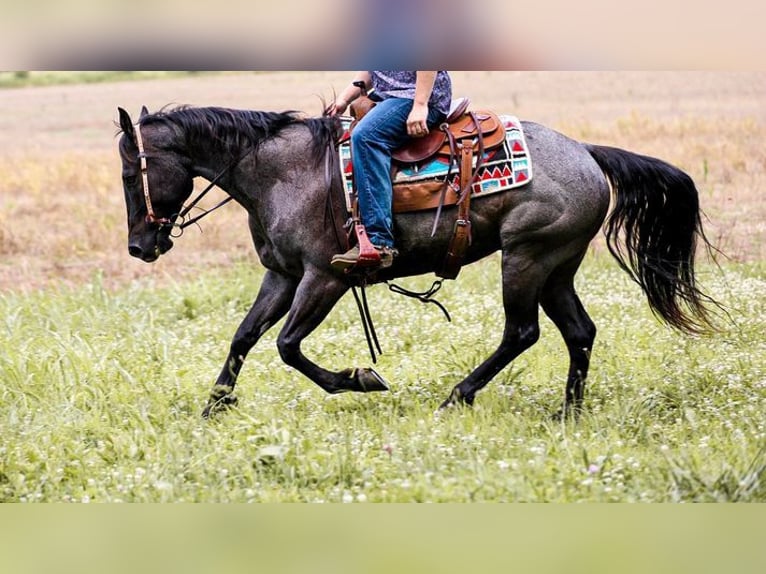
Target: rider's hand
point(337, 107)
point(416, 121)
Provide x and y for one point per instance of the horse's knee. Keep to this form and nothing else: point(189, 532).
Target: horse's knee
point(522, 337)
point(592, 332)
point(288, 349)
point(584, 344)
point(530, 335)
point(247, 336)
point(587, 334)
point(582, 339)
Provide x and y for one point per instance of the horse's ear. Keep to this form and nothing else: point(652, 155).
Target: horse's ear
point(125, 122)
point(144, 112)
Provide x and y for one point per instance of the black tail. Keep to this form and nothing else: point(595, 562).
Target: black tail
point(656, 210)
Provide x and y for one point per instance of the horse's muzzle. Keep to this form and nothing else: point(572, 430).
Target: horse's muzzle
point(150, 251)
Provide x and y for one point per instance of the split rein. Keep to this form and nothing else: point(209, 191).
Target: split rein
point(170, 222)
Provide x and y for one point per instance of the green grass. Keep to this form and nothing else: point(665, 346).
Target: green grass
point(101, 394)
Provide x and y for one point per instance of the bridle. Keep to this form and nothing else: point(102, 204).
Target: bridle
point(150, 215)
point(163, 222)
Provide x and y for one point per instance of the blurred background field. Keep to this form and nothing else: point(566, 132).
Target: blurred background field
point(24, 78)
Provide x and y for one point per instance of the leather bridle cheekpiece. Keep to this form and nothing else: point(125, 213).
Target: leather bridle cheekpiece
point(151, 217)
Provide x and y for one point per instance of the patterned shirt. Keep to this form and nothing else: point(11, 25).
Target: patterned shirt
point(402, 85)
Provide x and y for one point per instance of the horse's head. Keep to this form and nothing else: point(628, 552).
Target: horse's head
point(156, 179)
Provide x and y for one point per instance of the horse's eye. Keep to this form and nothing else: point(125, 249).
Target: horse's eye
point(130, 179)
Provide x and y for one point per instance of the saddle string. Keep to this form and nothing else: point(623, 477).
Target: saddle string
point(369, 320)
point(366, 318)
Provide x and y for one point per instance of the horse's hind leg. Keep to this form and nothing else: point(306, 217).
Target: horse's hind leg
point(561, 303)
point(317, 294)
point(522, 281)
point(273, 301)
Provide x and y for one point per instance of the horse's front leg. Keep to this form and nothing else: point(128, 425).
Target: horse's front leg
point(273, 301)
point(317, 294)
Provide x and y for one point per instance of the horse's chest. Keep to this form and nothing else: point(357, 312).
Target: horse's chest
point(278, 254)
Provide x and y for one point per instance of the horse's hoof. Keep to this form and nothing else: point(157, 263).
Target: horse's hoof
point(369, 380)
point(457, 399)
point(570, 413)
point(218, 405)
point(448, 404)
point(360, 381)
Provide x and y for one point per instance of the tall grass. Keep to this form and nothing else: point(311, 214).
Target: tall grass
point(102, 390)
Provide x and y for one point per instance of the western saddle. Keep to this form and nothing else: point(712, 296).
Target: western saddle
point(463, 136)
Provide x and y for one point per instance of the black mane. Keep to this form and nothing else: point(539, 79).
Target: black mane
point(238, 129)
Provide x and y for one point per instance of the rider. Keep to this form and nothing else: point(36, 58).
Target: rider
point(408, 105)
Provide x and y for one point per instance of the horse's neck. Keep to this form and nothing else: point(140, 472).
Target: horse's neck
point(218, 165)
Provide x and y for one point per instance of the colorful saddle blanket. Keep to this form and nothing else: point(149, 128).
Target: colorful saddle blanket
point(418, 186)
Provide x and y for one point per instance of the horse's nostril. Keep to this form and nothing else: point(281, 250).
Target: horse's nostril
point(135, 250)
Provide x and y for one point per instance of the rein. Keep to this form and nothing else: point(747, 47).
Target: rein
point(185, 211)
point(151, 217)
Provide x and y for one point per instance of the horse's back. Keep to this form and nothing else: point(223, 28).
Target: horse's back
point(555, 215)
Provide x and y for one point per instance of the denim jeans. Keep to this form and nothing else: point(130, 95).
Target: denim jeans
point(380, 132)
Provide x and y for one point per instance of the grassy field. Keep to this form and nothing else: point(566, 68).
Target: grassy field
point(106, 362)
point(102, 393)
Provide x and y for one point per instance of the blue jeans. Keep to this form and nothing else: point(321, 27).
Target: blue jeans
point(380, 132)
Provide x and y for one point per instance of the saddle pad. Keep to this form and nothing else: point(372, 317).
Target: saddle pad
point(503, 168)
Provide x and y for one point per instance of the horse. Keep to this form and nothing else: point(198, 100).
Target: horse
point(282, 167)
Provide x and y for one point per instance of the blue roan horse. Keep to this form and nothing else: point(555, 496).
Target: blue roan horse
point(276, 166)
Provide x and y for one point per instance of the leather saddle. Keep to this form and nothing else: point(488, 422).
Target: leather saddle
point(463, 137)
point(484, 127)
point(460, 127)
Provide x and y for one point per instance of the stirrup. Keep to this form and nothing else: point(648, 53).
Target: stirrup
point(352, 260)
